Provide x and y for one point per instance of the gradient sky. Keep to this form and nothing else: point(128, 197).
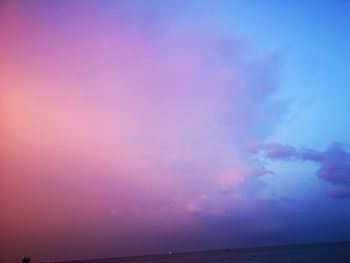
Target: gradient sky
point(138, 127)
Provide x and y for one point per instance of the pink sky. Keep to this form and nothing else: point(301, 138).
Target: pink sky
point(118, 131)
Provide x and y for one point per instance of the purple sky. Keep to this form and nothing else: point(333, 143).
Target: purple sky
point(138, 127)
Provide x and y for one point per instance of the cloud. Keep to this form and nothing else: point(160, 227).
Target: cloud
point(188, 97)
point(139, 128)
point(276, 151)
point(334, 163)
point(340, 192)
point(129, 128)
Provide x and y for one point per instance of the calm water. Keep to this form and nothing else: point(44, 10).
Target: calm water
point(336, 252)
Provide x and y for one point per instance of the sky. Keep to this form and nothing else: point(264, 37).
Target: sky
point(140, 127)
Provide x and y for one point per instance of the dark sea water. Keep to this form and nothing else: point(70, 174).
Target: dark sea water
point(334, 252)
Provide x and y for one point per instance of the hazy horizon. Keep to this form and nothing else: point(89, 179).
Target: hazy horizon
point(316, 252)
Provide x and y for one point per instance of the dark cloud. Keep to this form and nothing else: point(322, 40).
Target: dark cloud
point(340, 192)
point(334, 163)
point(276, 151)
point(335, 166)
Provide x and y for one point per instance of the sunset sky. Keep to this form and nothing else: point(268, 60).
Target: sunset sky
point(138, 127)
